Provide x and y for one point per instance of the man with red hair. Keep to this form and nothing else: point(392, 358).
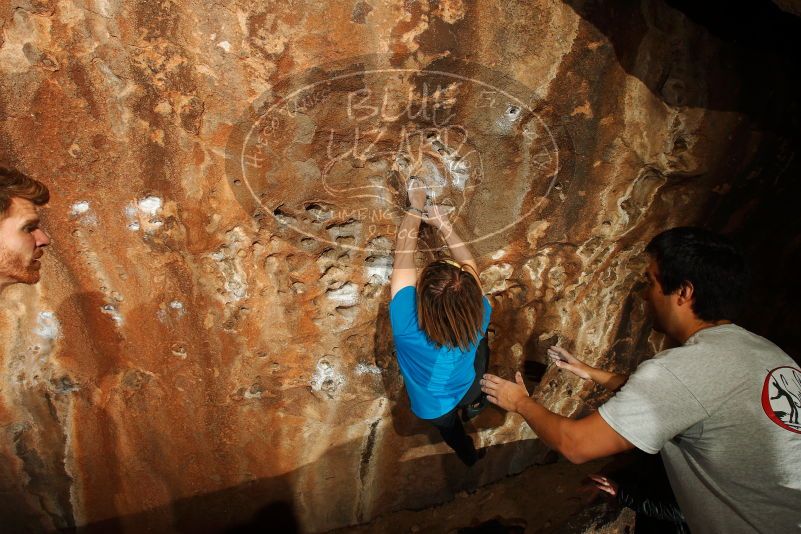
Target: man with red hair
point(21, 239)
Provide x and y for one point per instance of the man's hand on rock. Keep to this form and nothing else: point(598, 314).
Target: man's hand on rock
point(565, 360)
point(508, 395)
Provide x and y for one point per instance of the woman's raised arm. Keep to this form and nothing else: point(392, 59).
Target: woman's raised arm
point(404, 272)
point(437, 216)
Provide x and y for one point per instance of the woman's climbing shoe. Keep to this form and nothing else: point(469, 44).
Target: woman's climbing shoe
point(472, 410)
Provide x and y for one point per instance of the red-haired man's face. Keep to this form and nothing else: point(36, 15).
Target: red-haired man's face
point(21, 243)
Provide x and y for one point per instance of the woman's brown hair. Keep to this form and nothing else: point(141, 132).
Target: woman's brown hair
point(15, 184)
point(450, 309)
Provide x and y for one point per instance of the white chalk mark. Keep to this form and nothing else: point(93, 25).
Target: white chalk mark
point(230, 265)
point(364, 369)
point(150, 205)
point(178, 307)
point(495, 278)
point(347, 295)
point(79, 208)
point(113, 312)
point(47, 325)
point(512, 113)
point(325, 378)
point(378, 270)
point(252, 394)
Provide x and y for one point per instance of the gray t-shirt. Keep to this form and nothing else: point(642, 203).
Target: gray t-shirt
point(724, 411)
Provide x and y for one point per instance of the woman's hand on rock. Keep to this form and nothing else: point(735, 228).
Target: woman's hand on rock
point(437, 216)
point(417, 193)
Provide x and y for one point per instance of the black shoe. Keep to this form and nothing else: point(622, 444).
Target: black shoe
point(472, 410)
point(480, 453)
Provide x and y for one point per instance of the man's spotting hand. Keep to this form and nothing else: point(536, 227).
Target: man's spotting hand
point(508, 395)
point(565, 360)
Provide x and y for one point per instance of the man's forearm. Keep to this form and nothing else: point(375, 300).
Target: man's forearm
point(551, 428)
point(578, 440)
point(611, 381)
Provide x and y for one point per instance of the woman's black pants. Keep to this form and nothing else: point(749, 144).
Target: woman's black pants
point(450, 424)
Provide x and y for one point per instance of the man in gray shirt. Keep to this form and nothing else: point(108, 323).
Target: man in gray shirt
point(722, 408)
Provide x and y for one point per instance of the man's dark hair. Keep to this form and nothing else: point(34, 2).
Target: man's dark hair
point(15, 184)
point(712, 263)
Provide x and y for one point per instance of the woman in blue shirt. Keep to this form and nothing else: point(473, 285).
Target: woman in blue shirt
point(439, 322)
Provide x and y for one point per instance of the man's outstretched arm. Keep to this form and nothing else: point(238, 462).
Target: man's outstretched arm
point(578, 440)
point(564, 360)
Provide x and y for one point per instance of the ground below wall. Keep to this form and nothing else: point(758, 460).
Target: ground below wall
point(552, 499)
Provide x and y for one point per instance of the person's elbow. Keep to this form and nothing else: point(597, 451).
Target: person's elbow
point(575, 447)
point(590, 438)
point(574, 454)
point(575, 457)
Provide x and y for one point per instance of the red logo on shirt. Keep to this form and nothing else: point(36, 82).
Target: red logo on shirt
point(781, 397)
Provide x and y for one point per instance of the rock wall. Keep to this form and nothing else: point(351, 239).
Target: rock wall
point(210, 340)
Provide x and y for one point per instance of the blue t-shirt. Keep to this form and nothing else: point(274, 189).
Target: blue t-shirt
point(436, 378)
